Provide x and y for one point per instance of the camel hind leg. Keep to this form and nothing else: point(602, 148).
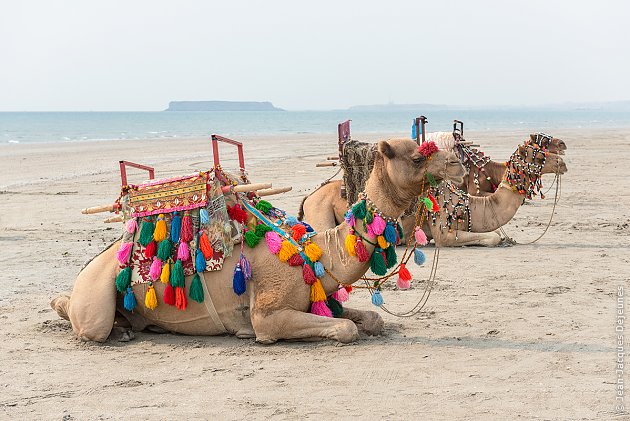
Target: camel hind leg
point(458, 238)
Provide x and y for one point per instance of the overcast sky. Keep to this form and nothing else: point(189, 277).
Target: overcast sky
point(139, 55)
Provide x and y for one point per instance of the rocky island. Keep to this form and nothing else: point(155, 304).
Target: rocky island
point(221, 106)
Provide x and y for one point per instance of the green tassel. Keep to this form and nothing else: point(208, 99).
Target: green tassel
point(165, 250)
point(401, 234)
point(359, 210)
point(261, 229)
point(431, 180)
point(177, 275)
point(390, 254)
point(195, 292)
point(263, 206)
point(335, 307)
point(146, 232)
point(369, 217)
point(427, 203)
point(377, 263)
point(252, 239)
point(123, 280)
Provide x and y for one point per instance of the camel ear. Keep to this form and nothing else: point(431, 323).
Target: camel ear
point(532, 137)
point(386, 149)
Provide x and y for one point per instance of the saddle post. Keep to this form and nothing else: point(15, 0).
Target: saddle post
point(123, 170)
point(420, 123)
point(458, 130)
point(217, 162)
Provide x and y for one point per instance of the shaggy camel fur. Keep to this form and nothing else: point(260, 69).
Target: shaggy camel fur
point(325, 206)
point(276, 303)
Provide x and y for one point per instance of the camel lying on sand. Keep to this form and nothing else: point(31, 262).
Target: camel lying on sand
point(478, 216)
point(276, 302)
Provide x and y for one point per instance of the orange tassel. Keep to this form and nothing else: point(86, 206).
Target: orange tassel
point(205, 246)
point(180, 298)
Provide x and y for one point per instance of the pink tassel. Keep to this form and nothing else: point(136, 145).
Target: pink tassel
point(124, 252)
point(274, 241)
point(341, 295)
point(421, 237)
point(308, 274)
point(350, 220)
point(402, 284)
point(361, 251)
point(131, 226)
point(156, 269)
point(183, 253)
point(378, 225)
point(321, 309)
point(370, 232)
point(186, 232)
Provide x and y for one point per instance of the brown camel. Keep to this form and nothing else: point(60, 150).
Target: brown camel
point(325, 206)
point(276, 303)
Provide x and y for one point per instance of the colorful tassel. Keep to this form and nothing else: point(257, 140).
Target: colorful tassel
point(165, 249)
point(238, 281)
point(159, 233)
point(262, 229)
point(176, 227)
point(317, 292)
point(313, 252)
point(245, 267)
point(296, 260)
point(402, 284)
point(420, 237)
point(180, 298)
point(124, 252)
point(428, 203)
point(436, 207)
point(177, 278)
point(319, 270)
point(150, 249)
point(146, 232)
point(169, 295)
point(131, 226)
point(274, 242)
point(237, 214)
point(123, 279)
point(130, 300)
point(196, 289)
point(377, 298)
point(308, 274)
point(186, 231)
point(263, 206)
point(378, 225)
point(150, 298)
point(361, 251)
point(204, 217)
point(390, 256)
point(200, 261)
point(351, 240)
point(183, 253)
point(382, 243)
point(321, 309)
point(349, 218)
point(369, 217)
point(401, 234)
point(251, 239)
point(165, 276)
point(428, 148)
point(291, 220)
point(335, 307)
point(377, 263)
point(298, 231)
point(286, 251)
point(341, 295)
point(205, 246)
point(390, 234)
point(156, 268)
point(418, 257)
point(359, 210)
point(403, 273)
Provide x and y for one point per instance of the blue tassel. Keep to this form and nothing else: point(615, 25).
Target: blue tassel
point(238, 282)
point(377, 298)
point(176, 227)
point(318, 268)
point(204, 217)
point(413, 131)
point(130, 300)
point(200, 261)
point(418, 257)
point(291, 220)
point(390, 234)
point(308, 227)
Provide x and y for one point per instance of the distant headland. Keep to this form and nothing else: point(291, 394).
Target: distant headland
point(221, 106)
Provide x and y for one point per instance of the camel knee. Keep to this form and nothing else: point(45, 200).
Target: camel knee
point(346, 331)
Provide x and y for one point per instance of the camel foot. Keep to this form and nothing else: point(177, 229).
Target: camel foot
point(121, 334)
point(245, 334)
point(60, 305)
point(369, 322)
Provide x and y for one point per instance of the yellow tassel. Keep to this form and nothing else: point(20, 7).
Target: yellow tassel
point(381, 242)
point(160, 229)
point(351, 240)
point(313, 252)
point(166, 273)
point(317, 292)
point(286, 251)
point(150, 299)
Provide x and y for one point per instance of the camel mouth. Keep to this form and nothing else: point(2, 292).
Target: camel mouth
point(458, 180)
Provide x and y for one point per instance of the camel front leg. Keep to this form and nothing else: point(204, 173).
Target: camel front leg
point(458, 238)
point(369, 322)
point(294, 324)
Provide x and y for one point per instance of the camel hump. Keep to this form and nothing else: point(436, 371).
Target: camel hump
point(60, 305)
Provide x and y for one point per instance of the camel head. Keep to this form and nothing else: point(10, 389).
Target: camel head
point(554, 164)
point(406, 167)
point(550, 143)
point(547, 163)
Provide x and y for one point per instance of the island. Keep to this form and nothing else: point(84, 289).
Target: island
point(221, 106)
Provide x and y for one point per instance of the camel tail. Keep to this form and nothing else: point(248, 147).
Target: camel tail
point(60, 305)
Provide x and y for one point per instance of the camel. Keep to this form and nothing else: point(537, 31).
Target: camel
point(325, 206)
point(276, 303)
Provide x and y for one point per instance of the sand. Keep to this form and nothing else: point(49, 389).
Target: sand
point(522, 332)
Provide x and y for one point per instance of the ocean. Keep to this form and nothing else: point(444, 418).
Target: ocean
point(31, 127)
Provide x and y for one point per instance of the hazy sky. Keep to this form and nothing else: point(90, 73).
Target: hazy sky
point(139, 55)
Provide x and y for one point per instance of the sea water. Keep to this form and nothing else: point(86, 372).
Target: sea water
point(29, 127)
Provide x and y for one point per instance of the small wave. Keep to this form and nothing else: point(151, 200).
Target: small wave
point(13, 141)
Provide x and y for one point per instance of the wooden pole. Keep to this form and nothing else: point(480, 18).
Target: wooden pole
point(242, 188)
point(327, 164)
point(269, 192)
point(99, 209)
point(113, 219)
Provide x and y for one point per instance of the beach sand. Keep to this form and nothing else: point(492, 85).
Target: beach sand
point(522, 332)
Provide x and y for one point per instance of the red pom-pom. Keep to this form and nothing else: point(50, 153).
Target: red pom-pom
point(298, 231)
point(361, 251)
point(436, 207)
point(149, 250)
point(237, 214)
point(308, 275)
point(428, 148)
point(296, 260)
point(169, 295)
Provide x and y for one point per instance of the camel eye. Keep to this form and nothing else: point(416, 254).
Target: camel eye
point(419, 160)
